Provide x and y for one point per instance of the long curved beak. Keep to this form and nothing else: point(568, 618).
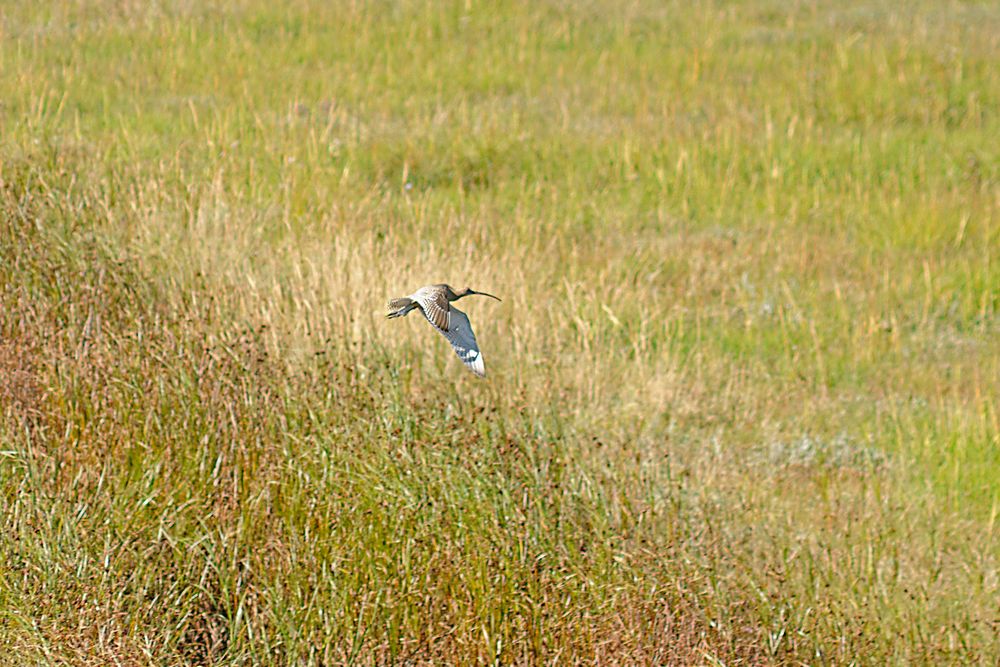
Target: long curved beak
point(485, 294)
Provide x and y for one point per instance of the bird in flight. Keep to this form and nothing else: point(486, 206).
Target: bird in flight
point(434, 301)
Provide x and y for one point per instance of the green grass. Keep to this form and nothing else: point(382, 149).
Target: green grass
point(742, 404)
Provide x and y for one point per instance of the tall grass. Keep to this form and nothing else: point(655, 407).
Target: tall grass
point(742, 403)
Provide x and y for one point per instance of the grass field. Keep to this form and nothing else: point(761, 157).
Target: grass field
point(744, 382)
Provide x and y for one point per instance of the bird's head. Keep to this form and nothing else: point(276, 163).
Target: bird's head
point(468, 291)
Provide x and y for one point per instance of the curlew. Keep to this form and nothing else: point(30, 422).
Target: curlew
point(434, 301)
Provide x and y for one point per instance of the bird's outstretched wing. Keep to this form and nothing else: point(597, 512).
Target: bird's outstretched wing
point(460, 335)
point(435, 307)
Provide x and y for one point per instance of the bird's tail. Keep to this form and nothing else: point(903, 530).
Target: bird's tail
point(401, 306)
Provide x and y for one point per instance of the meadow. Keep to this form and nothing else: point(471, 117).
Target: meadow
point(742, 402)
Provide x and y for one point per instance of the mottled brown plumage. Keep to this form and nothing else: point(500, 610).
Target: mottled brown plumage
point(434, 301)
